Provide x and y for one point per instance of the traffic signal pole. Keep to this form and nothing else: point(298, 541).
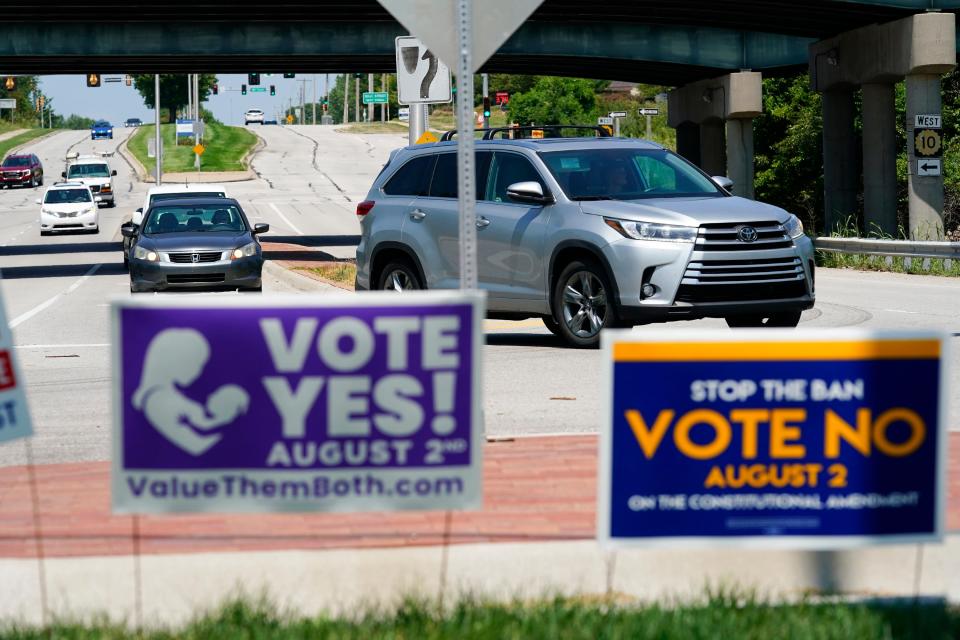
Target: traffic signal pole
point(156, 115)
point(486, 99)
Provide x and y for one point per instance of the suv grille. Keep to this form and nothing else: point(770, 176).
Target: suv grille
point(723, 237)
point(724, 268)
point(202, 256)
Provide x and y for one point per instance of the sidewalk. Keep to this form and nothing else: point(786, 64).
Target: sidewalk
point(535, 489)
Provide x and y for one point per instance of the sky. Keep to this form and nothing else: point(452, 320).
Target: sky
point(115, 102)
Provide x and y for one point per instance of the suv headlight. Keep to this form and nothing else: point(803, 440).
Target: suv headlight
point(652, 230)
point(793, 226)
point(145, 254)
point(246, 251)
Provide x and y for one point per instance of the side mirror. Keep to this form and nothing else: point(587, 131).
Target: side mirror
point(97, 199)
point(528, 193)
point(723, 182)
point(63, 174)
point(129, 230)
point(260, 227)
point(114, 172)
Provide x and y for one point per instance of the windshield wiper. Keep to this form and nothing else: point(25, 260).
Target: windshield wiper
point(590, 198)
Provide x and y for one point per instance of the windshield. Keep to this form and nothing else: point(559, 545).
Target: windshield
point(626, 174)
point(22, 161)
point(160, 197)
point(101, 124)
point(193, 219)
point(88, 171)
point(67, 196)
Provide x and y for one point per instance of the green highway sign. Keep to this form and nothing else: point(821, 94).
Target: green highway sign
point(258, 89)
point(375, 97)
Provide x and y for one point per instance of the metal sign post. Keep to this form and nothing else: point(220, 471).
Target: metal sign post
point(465, 145)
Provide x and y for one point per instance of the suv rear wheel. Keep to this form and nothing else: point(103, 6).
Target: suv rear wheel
point(786, 319)
point(581, 304)
point(399, 276)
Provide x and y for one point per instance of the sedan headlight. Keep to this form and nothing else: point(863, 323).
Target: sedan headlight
point(145, 254)
point(246, 251)
point(793, 226)
point(652, 230)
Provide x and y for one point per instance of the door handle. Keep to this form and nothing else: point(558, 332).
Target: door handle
point(482, 222)
point(417, 214)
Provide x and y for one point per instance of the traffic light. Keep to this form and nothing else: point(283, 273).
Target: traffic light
point(253, 78)
point(43, 101)
point(243, 89)
point(358, 75)
point(37, 104)
point(273, 90)
point(128, 80)
point(326, 104)
point(93, 79)
point(289, 75)
point(216, 89)
point(10, 83)
point(486, 106)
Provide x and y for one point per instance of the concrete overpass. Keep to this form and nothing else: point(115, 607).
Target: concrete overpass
point(701, 46)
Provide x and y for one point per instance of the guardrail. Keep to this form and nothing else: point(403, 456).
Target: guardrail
point(894, 248)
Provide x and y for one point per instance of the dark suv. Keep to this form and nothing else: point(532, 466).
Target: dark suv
point(22, 170)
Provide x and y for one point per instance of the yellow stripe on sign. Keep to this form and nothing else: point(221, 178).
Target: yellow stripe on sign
point(766, 351)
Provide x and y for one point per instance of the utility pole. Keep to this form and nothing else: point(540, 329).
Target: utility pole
point(385, 89)
point(356, 98)
point(189, 113)
point(303, 103)
point(370, 106)
point(486, 98)
point(314, 99)
point(156, 114)
point(346, 98)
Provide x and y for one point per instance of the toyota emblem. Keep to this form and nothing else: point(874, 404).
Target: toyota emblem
point(747, 234)
point(196, 257)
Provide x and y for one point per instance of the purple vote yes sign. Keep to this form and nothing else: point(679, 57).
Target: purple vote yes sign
point(316, 403)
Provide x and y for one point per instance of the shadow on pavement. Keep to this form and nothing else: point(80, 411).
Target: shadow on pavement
point(314, 241)
point(300, 256)
point(501, 339)
point(61, 271)
point(72, 247)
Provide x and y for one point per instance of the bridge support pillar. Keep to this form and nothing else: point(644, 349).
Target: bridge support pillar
point(919, 49)
point(841, 164)
point(721, 112)
point(879, 159)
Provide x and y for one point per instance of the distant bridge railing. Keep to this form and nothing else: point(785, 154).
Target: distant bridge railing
point(893, 248)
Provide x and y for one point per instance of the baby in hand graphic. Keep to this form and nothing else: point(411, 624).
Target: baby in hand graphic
point(175, 359)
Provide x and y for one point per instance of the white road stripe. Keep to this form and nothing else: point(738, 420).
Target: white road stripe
point(285, 219)
point(62, 346)
point(23, 317)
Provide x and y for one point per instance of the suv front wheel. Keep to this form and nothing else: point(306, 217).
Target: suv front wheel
point(582, 304)
point(399, 276)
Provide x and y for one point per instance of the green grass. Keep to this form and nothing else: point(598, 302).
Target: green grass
point(375, 127)
point(22, 138)
point(866, 262)
point(225, 148)
point(720, 616)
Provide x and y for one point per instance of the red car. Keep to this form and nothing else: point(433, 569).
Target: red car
point(22, 170)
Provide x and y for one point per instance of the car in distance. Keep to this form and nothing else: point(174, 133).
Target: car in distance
point(95, 172)
point(21, 170)
point(195, 243)
point(69, 206)
point(587, 233)
point(171, 192)
point(133, 122)
point(253, 115)
point(101, 130)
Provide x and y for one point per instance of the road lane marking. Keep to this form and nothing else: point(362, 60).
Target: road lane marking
point(285, 219)
point(23, 317)
point(63, 346)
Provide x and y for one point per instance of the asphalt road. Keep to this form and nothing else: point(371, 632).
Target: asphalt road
point(57, 290)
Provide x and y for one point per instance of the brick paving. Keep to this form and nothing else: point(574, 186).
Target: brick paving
point(541, 488)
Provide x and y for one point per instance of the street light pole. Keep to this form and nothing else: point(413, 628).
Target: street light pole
point(156, 115)
point(346, 98)
point(370, 90)
point(356, 98)
point(314, 99)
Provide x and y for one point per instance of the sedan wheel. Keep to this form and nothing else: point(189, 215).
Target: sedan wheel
point(399, 276)
point(581, 305)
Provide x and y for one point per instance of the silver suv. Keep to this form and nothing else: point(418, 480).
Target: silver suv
point(587, 233)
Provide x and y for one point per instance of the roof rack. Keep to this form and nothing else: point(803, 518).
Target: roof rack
point(526, 132)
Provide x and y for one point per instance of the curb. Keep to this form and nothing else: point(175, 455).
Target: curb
point(131, 159)
point(298, 281)
point(240, 176)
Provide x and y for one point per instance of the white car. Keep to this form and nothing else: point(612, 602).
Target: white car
point(171, 192)
point(94, 172)
point(69, 206)
point(253, 115)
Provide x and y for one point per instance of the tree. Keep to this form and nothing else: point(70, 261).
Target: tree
point(173, 90)
point(553, 100)
point(24, 94)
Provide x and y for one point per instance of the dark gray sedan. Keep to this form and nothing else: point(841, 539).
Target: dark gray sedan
point(195, 243)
